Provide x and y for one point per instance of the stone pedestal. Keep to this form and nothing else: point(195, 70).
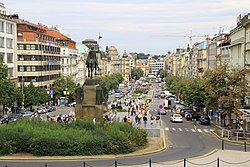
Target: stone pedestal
point(89, 108)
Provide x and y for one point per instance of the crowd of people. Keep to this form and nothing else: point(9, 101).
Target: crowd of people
point(138, 115)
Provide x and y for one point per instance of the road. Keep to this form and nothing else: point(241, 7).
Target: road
point(182, 141)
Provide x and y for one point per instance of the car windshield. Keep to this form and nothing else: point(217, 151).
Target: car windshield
point(177, 115)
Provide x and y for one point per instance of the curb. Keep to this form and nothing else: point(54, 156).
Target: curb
point(149, 152)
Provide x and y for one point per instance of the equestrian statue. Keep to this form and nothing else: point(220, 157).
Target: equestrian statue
point(91, 62)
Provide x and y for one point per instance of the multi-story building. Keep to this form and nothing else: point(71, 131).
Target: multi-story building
point(68, 54)
point(82, 53)
point(218, 51)
point(240, 44)
point(240, 48)
point(8, 44)
point(38, 54)
point(156, 65)
point(143, 64)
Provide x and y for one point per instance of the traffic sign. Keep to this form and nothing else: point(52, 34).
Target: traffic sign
point(160, 106)
point(51, 92)
point(220, 107)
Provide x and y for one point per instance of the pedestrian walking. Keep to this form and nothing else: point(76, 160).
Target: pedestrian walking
point(145, 119)
point(195, 124)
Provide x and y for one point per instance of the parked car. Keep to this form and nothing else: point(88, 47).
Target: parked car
point(72, 104)
point(27, 114)
point(162, 112)
point(40, 110)
point(191, 116)
point(15, 117)
point(176, 118)
point(4, 119)
point(186, 111)
point(204, 120)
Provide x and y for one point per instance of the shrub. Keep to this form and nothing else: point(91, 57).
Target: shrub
point(82, 137)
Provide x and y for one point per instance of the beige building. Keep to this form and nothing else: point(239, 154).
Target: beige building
point(38, 54)
point(8, 45)
point(240, 44)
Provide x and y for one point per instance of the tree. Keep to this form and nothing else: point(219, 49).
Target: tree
point(226, 86)
point(109, 82)
point(3, 71)
point(162, 73)
point(60, 85)
point(34, 95)
point(8, 90)
point(137, 73)
point(193, 92)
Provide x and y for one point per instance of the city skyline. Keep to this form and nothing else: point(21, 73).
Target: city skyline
point(153, 27)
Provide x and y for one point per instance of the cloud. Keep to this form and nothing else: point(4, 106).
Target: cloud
point(127, 19)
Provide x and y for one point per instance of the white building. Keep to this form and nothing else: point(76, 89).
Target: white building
point(8, 43)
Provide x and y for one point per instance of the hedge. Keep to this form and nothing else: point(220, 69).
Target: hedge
point(81, 137)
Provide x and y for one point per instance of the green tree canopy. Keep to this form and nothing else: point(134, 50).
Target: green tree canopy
point(34, 95)
point(8, 90)
point(226, 86)
point(137, 73)
point(162, 73)
point(60, 85)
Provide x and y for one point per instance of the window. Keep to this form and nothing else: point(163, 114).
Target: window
point(33, 47)
point(9, 28)
point(2, 57)
point(1, 42)
point(27, 47)
point(1, 26)
point(21, 68)
point(10, 72)
point(33, 68)
point(28, 68)
point(9, 43)
point(9, 57)
point(20, 47)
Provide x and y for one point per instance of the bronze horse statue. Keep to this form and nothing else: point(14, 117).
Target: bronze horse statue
point(91, 62)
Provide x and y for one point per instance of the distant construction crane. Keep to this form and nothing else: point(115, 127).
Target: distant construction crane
point(191, 36)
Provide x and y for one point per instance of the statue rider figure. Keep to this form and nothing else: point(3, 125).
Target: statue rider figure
point(91, 62)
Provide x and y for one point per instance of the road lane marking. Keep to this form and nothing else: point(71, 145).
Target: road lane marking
point(193, 130)
point(187, 129)
point(167, 129)
point(199, 130)
point(205, 130)
point(211, 130)
point(173, 129)
point(180, 129)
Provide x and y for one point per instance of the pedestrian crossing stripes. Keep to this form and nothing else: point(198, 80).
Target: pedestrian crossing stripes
point(189, 130)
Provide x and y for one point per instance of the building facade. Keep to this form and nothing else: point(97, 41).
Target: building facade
point(38, 54)
point(68, 54)
point(8, 45)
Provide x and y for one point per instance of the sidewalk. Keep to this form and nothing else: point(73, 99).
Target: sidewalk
point(227, 158)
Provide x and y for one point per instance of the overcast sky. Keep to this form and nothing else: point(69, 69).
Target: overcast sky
point(148, 26)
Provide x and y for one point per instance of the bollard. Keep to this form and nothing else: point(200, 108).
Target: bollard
point(184, 162)
point(84, 164)
point(5, 166)
point(46, 165)
point(222, 144)
point(115, 163)
point(218, 162)
point(245, 146)
point(150, 162)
